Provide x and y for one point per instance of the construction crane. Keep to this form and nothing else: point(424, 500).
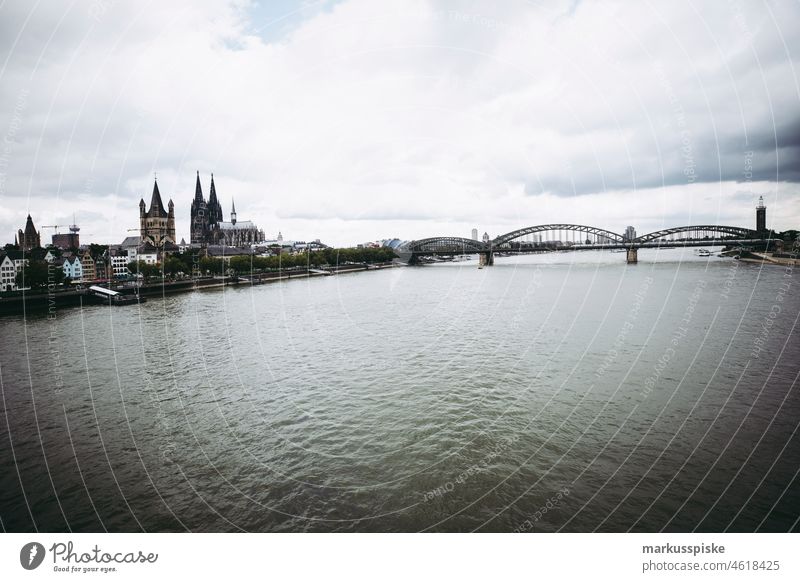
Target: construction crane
point(73, 228)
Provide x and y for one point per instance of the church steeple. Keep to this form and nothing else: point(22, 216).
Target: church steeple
point(29, 238)
point(156, 205)
point(213, 196)
point(233, 211)
point(198, 190)
point(214, 207)
point(30, 230)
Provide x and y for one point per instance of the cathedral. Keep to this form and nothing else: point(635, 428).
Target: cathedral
point(208, 226)
point(157, 225)
point(205, 215)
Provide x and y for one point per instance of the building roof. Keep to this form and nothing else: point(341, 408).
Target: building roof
point(150, 249)
point(130, 242)
point(240, 225)
point(14, 255)
point(223, 251)
point(72, 260)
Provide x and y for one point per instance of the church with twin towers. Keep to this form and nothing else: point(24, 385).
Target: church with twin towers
point(208, 226)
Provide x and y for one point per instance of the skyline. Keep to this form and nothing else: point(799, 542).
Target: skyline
point(628, 231)
point(349, 122)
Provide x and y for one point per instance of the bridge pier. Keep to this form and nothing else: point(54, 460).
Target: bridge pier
point(633, 255)
point(486, 259)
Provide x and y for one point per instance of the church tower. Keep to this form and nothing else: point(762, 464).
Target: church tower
point(233, 212)
point(214, 207)
point(29, 238)
point(157, 225)
point(199, 216)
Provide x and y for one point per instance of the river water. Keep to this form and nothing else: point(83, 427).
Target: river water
point(566, 391)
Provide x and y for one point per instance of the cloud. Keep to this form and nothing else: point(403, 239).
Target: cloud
point(363, 120)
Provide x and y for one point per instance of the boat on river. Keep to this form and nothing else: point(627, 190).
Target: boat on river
point(113, 297)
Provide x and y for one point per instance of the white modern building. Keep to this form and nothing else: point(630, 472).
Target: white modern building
point(119, 265)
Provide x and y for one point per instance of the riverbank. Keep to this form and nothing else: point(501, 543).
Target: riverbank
point(46, 301)
point(783, 259)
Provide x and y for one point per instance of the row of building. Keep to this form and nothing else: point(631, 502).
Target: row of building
point(211, 234)
point(79, 267)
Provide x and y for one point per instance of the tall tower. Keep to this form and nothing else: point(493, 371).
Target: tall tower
point(74, 229)
point(170, 234)
point(29, 238)
point(157, 224)
point(233, 211)
point(142, 221)
point(761, 216)
point(214, 207)
point(199, 216)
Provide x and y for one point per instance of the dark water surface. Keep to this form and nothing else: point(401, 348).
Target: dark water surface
point(554, 392)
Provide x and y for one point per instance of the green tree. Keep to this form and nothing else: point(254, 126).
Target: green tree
point(241, 265)
point(39, 274)
point(173, 266)
point(211, 265)
point(143, 269)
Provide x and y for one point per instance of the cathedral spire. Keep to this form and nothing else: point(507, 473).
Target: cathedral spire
point(213, 196)
point(214, 207)
point(198, 190)
point(233, 211)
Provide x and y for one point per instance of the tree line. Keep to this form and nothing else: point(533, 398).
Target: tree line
point(191, 263)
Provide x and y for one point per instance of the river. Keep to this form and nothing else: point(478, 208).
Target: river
point(557, 392)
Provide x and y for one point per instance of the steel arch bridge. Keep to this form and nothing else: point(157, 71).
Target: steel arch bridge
point(445, 245)
point(694, 235)
point(734, 232)
point(597, 233)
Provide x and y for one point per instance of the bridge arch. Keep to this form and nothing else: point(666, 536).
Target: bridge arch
point(611, 237)
point(705, 230)
point(444, 245)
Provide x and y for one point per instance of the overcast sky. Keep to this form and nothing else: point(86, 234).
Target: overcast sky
point(360, 120)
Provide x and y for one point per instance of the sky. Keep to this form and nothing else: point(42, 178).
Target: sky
point(356, 120)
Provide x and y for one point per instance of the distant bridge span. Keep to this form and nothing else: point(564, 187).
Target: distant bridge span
point(446, 245)
point(590, 238)
point(587, 230)
point(727, 231)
